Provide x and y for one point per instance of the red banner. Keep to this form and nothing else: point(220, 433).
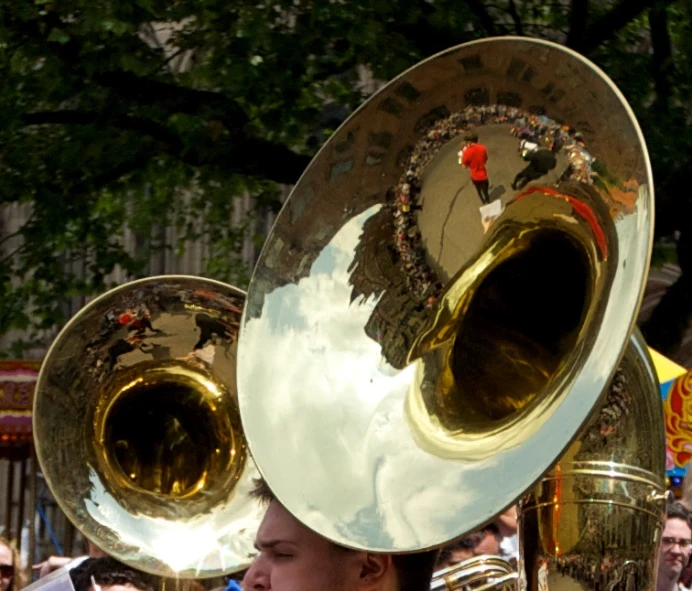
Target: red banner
point(17, 383)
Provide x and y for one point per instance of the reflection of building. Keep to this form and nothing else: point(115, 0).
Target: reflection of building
point(376, 272)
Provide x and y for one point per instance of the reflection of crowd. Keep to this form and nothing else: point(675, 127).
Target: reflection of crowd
point(549, 135)
point(131, 317)
point(421, 281)
point(612, 573)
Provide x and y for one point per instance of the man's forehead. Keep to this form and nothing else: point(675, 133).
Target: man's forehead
point(279, 524)
point(677, 526)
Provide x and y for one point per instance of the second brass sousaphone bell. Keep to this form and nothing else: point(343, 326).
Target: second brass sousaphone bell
point(137, 427)
point(430, 358)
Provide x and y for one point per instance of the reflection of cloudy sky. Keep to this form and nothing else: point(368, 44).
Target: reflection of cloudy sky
point(326, 419)
point(325, 412)
point(221, 541)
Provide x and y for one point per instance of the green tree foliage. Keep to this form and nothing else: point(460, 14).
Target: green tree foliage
point(100, 129)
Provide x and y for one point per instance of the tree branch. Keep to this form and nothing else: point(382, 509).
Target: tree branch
point(176, 98)
point(577, 23)
point(13, 254)
point(662, 59)
point(486, 21)
point(243, 155)
point(239, 152)
point(110, 176)
point(515, 17)
point(18, 232)
point(66, 117)
point(252, 157)
point(606, 27)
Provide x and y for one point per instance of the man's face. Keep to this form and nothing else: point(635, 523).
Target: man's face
point(455, 557)
point(488, 545)
point(675, 548)
point(6, 561)
point(293, 558)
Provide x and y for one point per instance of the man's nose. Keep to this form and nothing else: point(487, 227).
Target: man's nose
point(256, 578)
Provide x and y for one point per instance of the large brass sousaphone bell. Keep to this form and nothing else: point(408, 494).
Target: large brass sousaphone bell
point(138, 432)
point(422, 359)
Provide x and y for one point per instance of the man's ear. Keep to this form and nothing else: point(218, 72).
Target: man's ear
point(377, 569)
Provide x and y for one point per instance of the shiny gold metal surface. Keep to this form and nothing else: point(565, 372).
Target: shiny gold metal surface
point(480, 573)
point(138, 432)
point(421, 359)
point(594, 521)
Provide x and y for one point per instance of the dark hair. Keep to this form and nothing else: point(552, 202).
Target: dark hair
point(471, 136)
point(468, 542)
point(108, 571)
point(414, 571)
point(492, 529)
point(677, 510)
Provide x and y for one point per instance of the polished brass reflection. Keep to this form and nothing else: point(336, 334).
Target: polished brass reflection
point(437, 355)
point(138, 431)
point(478, 340)
point(480, 573)
point(594, 521)
point(170, 429)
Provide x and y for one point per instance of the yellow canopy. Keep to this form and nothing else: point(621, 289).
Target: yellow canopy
point(666, 369)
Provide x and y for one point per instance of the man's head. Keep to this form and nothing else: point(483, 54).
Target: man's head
point(471, 137)
point(109, 575)
point(458, 551)
point(7, 566)
point(490, 541)
point(676, 543)
point(293, 558)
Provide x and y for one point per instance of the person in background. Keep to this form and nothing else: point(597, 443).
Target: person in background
point(506, 523)
point(483, 542)
point(676, 547)
point(107, 574)
point(686, 501)
point(474, 158)
point(489, 542)
point(53, 563)
point(11, 576)
point(541, 162)
point(458, 551)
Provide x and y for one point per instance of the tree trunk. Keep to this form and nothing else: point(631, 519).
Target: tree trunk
point(577, 23)
point(671, 318)
point(662, 62)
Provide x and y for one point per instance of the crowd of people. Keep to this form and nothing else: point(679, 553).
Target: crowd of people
point(548, 136)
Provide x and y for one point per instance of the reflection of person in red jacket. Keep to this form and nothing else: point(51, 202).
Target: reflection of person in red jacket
point(474, 158)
